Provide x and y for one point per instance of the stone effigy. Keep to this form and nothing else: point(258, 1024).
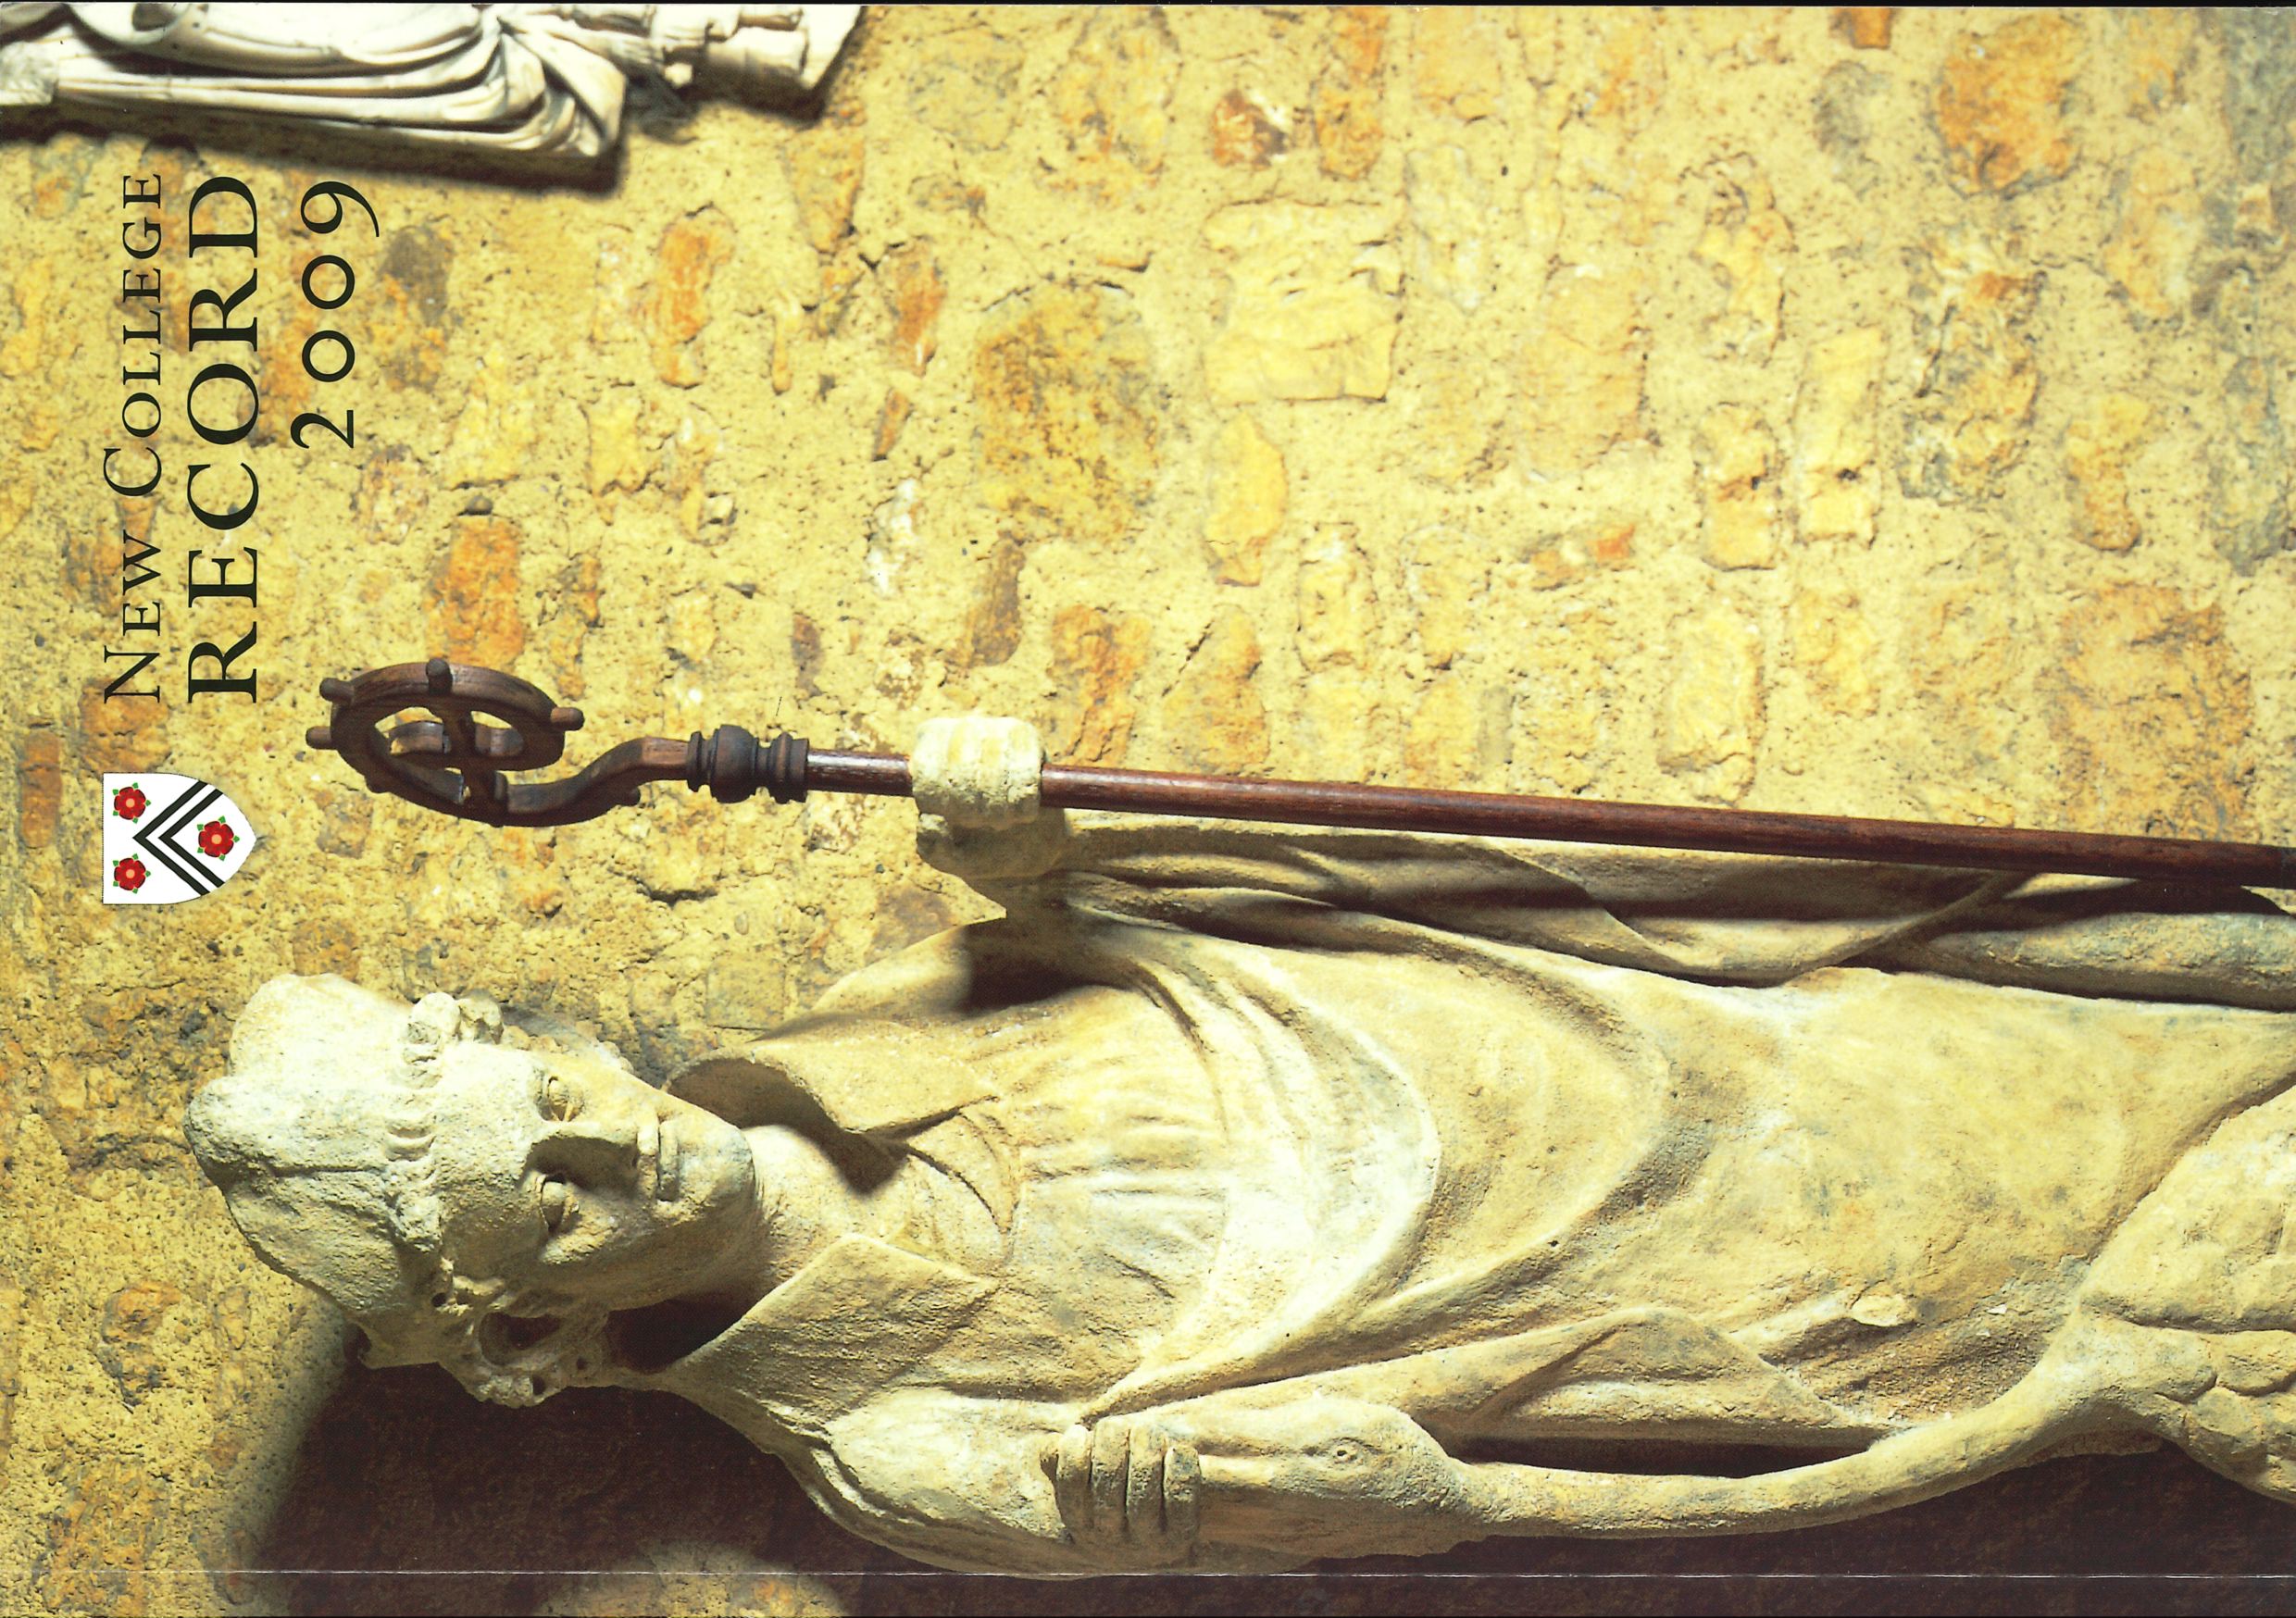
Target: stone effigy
point(1243, 1196)
point(514, 78)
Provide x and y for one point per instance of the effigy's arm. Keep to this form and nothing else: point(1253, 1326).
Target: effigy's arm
point(1733, 917)
point(2227, 946)
point(1320, 1473)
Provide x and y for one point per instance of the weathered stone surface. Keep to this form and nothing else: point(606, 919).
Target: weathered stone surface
point(2150, 256)
point(825, 168)
point(1732, 36)
point(1096, 657)
point(1248, 495)
point(1459, 58)
point(127, 1341)
point(2142, 673)
point(475, 606)
point(2156, 45)
point(1446, 575)
point(1974, 401)
point(1711, 717)
point(1843, 118)
point(1112, 99)
point(1748, 243)
point(573, 613)
point(693, 251)
point(406, 327)
point(230, 1319)
point(1458, 427)
point(1619, 71)
point(894, 536)
point(11, 1359)
point(1737, 486)
point(1350, 128)
point(692, 625)
point(915, 293)
point(1337, 609)
point(39, 785)
point(1835, 648)
point(1564, 725)
point(992, 627)
point(59, 174)
point(100, 1542)
point(704, 506)
point(1245, 132)
point(16, 502)
point(746, 989)
point(2253, 517)
point(891, 417)
point(1867, 27)
point(964, 84)
point(1311, 302)
point(2260, 90)
point(618, 286)
point(2098, 448)
point(1551, 561)
point(494, 436)
point(1340, 729)
point(1967, 658)
point(623, 442)
point(806, 653)
point(1458, 735)
point(1581, 382)
point(30, 346)
point(346, 815)
point(1067, 403)
point(1450, 211)
point(1834, 435)
point(324, 943)
point(2000, 103)
point(123, 732)
point(1212, 718)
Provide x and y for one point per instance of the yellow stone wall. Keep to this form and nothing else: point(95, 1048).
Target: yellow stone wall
point(1840, 411)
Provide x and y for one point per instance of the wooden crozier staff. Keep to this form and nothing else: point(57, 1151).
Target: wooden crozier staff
point(450, 763)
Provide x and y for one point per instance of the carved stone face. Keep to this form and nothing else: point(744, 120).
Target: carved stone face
point(576, 1184)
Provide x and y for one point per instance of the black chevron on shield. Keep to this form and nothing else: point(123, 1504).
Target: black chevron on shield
point(166, 824)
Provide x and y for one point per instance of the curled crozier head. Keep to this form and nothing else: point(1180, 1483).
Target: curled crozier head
point(320, 1139)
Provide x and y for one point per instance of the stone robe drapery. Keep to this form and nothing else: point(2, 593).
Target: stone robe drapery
point(1679, 1146)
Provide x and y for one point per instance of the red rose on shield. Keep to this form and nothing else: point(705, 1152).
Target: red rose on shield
point(216, 840)
point(128, 802)
point(129, 874)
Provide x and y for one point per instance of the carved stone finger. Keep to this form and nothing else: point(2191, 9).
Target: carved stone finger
point(1144, 1484)
point(1183, 1495)
point(1072, 1481)
point(929, 765)
point(1110, 1444)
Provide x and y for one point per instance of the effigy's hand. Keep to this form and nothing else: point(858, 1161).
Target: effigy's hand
point(1319, 1475)
point(1128, 1490)
point(981, 814)
point(978, 773)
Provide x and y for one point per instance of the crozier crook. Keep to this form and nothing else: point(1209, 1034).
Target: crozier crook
point(452, 763)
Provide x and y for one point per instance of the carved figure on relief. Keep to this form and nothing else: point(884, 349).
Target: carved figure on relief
point(1246, 1196)
point(523, 78)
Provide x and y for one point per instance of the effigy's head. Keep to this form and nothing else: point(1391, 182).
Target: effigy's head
point(471, 1194)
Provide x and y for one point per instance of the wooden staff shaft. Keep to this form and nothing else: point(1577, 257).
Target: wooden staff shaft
point(1747, 832)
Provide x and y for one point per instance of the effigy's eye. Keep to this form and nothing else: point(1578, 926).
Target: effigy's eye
point(558, 1203)
point(559, 1097)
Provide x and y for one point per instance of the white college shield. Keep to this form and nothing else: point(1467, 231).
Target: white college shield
point(169, 838)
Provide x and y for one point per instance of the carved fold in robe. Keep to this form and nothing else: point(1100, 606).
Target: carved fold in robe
point(1665, 1146)
point(518, 77)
